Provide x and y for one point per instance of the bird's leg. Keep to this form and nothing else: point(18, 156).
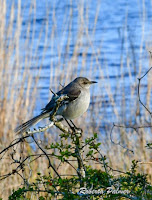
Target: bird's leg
point(73, 124)
point(76, 128)
point(72, 128)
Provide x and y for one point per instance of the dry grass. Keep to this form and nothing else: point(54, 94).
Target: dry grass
point(19, 89)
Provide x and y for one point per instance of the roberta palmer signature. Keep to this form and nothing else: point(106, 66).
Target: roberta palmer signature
point(113, 190)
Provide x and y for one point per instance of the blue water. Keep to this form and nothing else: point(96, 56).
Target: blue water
point(121, 35)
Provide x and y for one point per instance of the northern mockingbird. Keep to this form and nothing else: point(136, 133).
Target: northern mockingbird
point(77, 103)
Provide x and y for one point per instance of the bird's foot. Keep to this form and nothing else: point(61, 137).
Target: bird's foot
point(76, 131)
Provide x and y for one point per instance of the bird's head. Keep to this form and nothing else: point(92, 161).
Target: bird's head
point(84, 82)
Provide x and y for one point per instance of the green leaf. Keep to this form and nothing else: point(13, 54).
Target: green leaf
point(41, 198)
point(95, 135)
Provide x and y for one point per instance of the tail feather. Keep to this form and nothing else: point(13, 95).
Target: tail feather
point(25, 126)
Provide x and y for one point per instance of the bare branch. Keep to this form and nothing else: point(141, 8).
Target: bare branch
point(53, 92)
point(118, 143)
point(14, 143)
point(50, 165)
point(139, 79)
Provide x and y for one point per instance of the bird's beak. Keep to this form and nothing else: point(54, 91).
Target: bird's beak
point(92, 82)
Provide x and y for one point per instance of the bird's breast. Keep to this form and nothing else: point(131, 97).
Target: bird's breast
point(77, 107)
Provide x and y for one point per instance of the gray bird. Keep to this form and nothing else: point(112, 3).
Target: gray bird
point(77, 103)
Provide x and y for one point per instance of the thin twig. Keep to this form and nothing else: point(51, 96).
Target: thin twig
point(118, 143)
point(139, 79)
point(12, 144)
point(50, 165)
point(53, 92)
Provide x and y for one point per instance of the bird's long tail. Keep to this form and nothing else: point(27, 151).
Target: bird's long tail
point(25, 126)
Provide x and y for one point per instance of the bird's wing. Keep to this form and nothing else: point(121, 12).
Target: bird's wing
point(71, 91)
